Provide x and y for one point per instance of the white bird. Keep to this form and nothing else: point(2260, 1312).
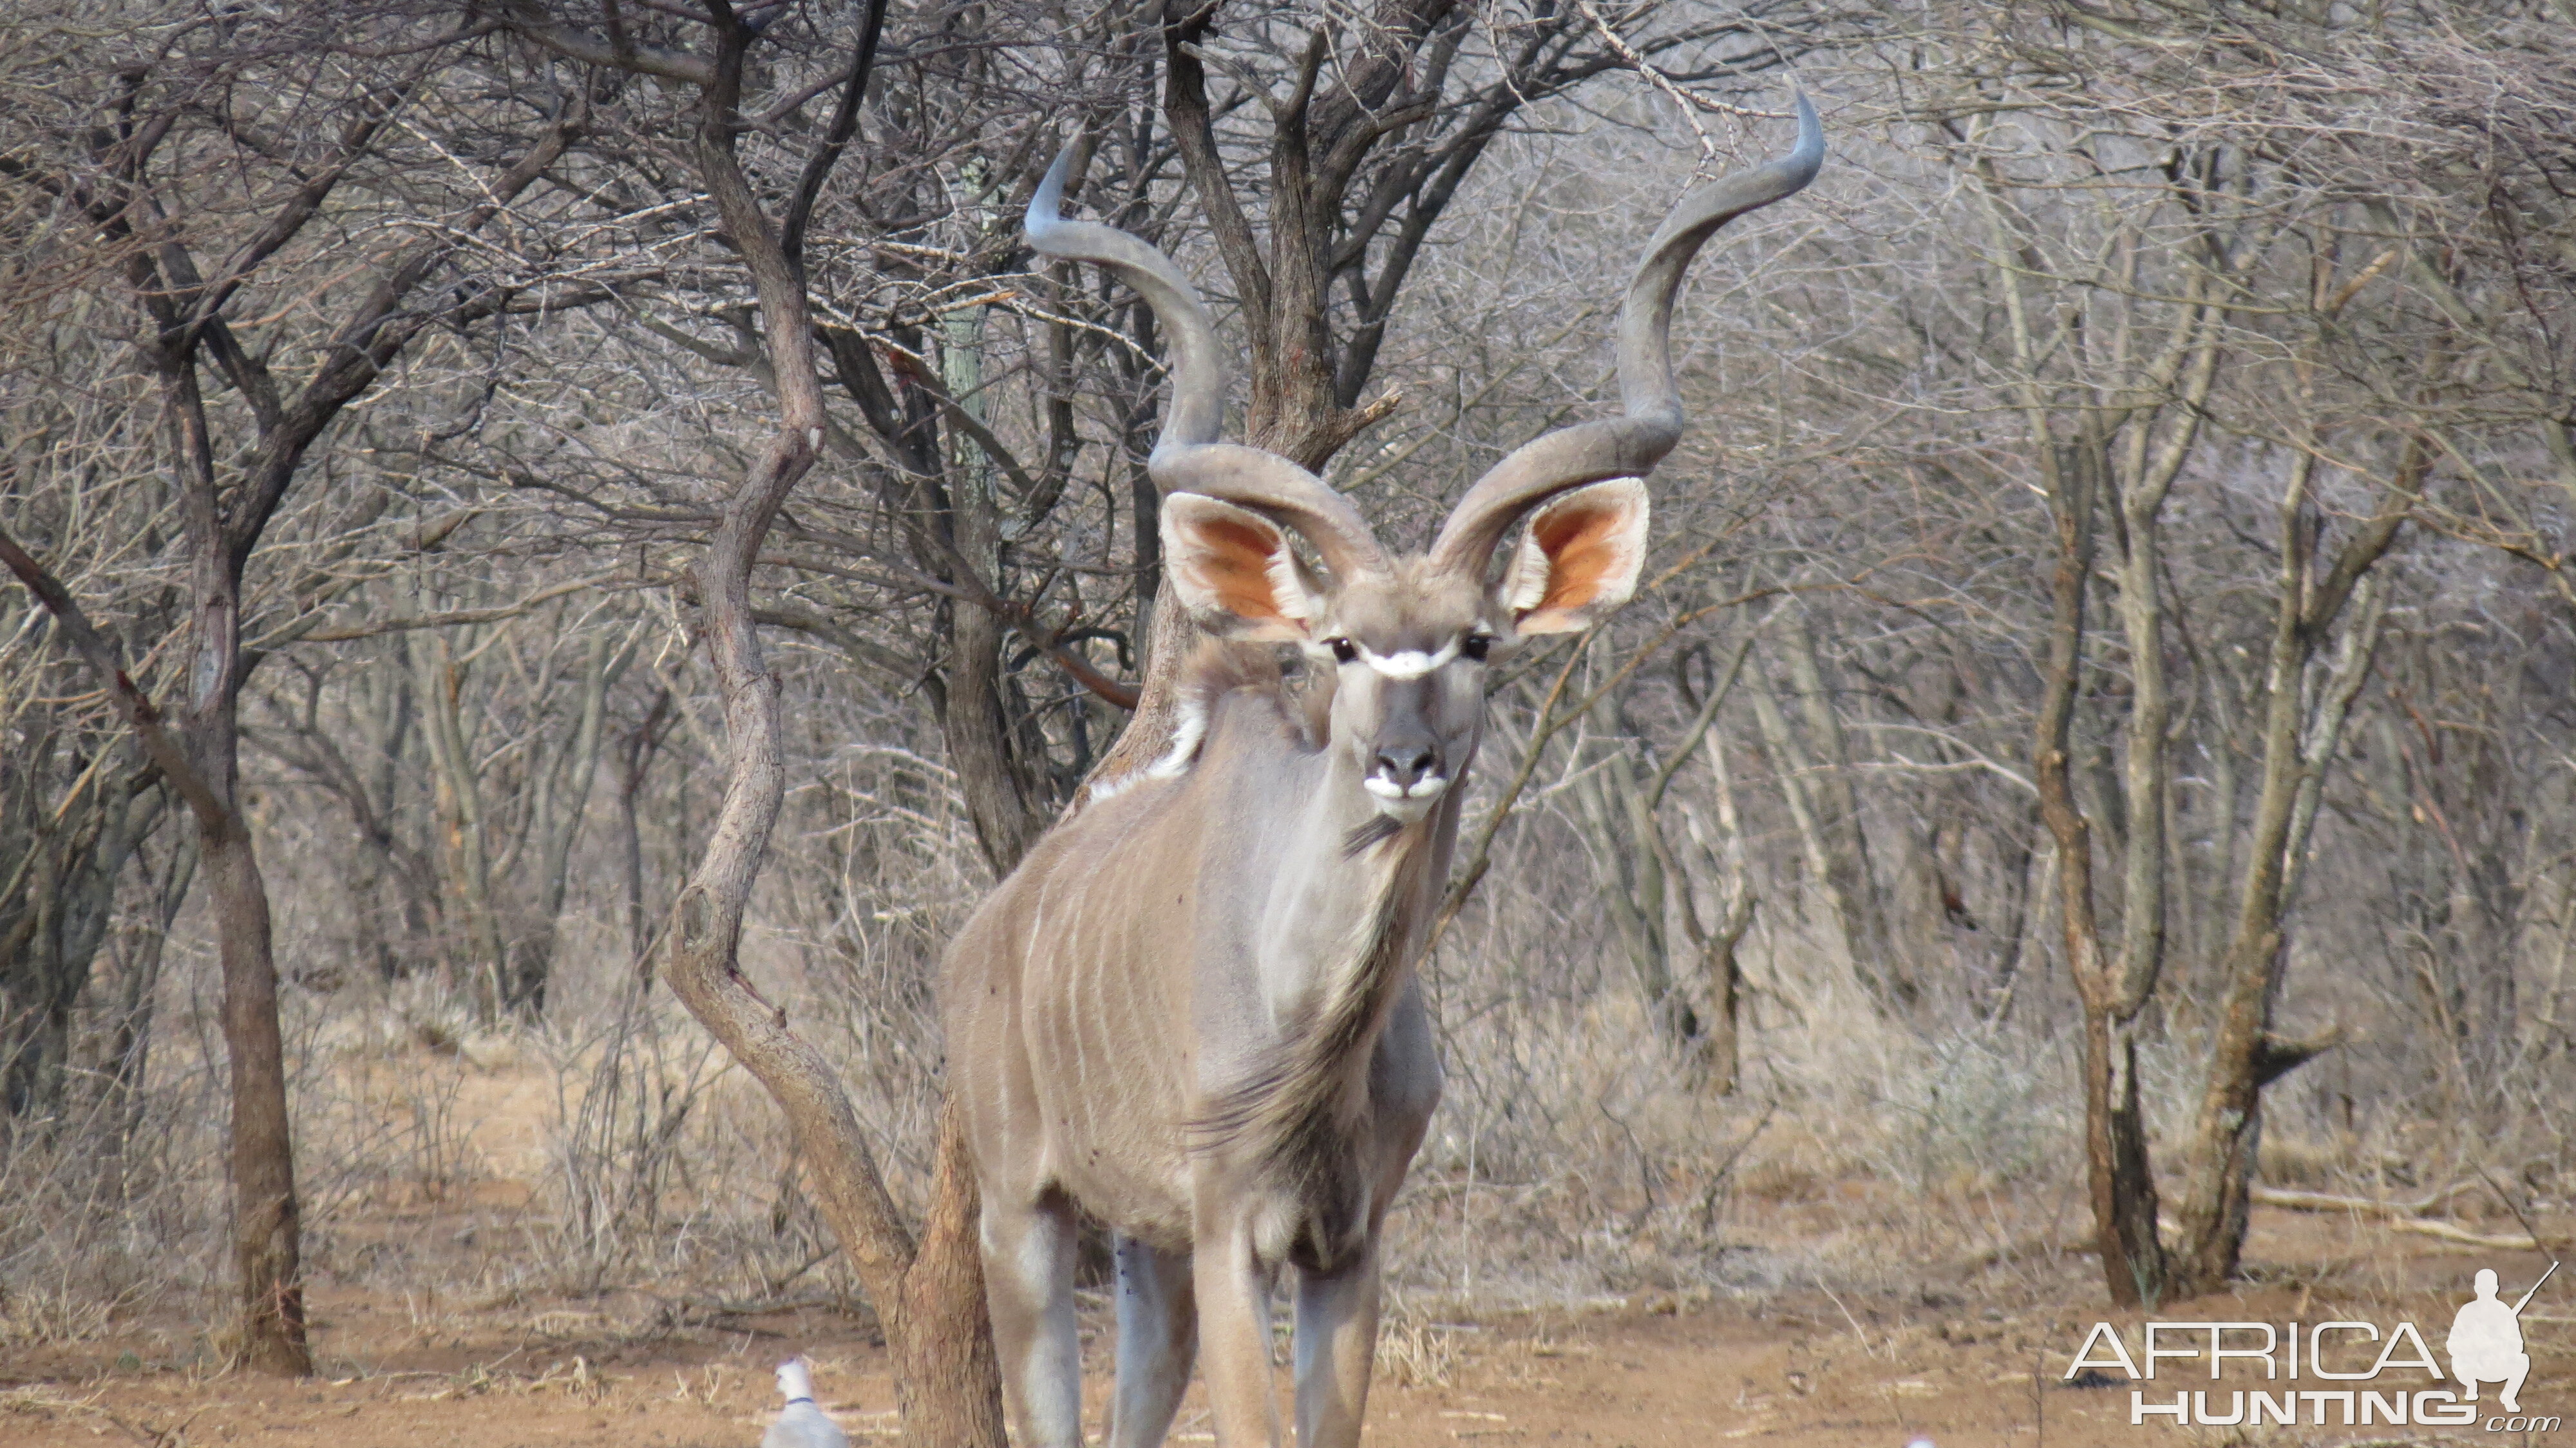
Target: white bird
point(803, 1424)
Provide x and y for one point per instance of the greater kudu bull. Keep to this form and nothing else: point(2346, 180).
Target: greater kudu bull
point(1191, 1011)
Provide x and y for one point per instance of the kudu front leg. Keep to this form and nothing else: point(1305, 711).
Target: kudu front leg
point(1234, 1337)
point(1028, 1285)
point(1158, 1338)
point(1336, 1348)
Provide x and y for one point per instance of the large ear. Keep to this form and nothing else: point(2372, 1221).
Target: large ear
point(1580, 558)
point(1234, 571)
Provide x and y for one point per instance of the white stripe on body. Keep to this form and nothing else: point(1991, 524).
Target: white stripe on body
point(1187, 734)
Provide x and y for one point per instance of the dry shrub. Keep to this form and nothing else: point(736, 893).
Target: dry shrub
point(1414, 1351)
point(1573, 1157)
point(49, 1316)
point(114, 1202)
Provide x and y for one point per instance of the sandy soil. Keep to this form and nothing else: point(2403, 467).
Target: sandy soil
point(1648, 1373)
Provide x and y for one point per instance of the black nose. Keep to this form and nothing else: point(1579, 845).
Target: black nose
point(1407, 764)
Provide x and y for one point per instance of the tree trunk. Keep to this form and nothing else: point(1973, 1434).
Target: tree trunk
point(2123, 1186)
point(1717, 1064)
point(37, 981)
point(634, 760)
point(997, 789)
point(1836, 806)
point(63, 881)
point(476, 961)
point(1722, 1057)
point(1828, 870)
point(2123, 1189)
point(2302, 728)
point(558, 826)
point(1611, 809)
point(944, 1359)
point(267, 1217)
point(137, 992)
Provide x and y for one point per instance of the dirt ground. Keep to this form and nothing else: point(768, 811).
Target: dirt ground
point(1791, 1369)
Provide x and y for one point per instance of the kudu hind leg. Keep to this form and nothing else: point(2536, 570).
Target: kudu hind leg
point(1028, 1284)
point(1158, 1338)
point(1336, 1348)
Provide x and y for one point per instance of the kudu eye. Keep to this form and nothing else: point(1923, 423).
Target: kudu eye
point(1475, 646)
point(1344, 650)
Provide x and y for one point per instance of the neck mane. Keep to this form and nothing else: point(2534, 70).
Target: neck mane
point(1293, 1105)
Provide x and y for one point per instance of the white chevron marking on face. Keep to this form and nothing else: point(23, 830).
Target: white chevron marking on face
point(1411, 663)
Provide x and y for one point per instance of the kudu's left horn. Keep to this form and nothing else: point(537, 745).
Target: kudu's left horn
point(1629, 445)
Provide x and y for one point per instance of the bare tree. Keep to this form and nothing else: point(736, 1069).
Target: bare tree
point(927, 1290)
point(172, 156)
point(2163, 277)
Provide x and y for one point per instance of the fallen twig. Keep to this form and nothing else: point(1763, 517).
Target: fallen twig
point(2297, 1201)
point(2444, 1231)
point(2400, 1216)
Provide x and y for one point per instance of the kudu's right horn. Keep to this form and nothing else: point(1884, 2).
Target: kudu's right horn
point(1187, 457)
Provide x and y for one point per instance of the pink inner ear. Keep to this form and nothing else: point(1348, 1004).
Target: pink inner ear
point(1234, 565)
point(1582, 548)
